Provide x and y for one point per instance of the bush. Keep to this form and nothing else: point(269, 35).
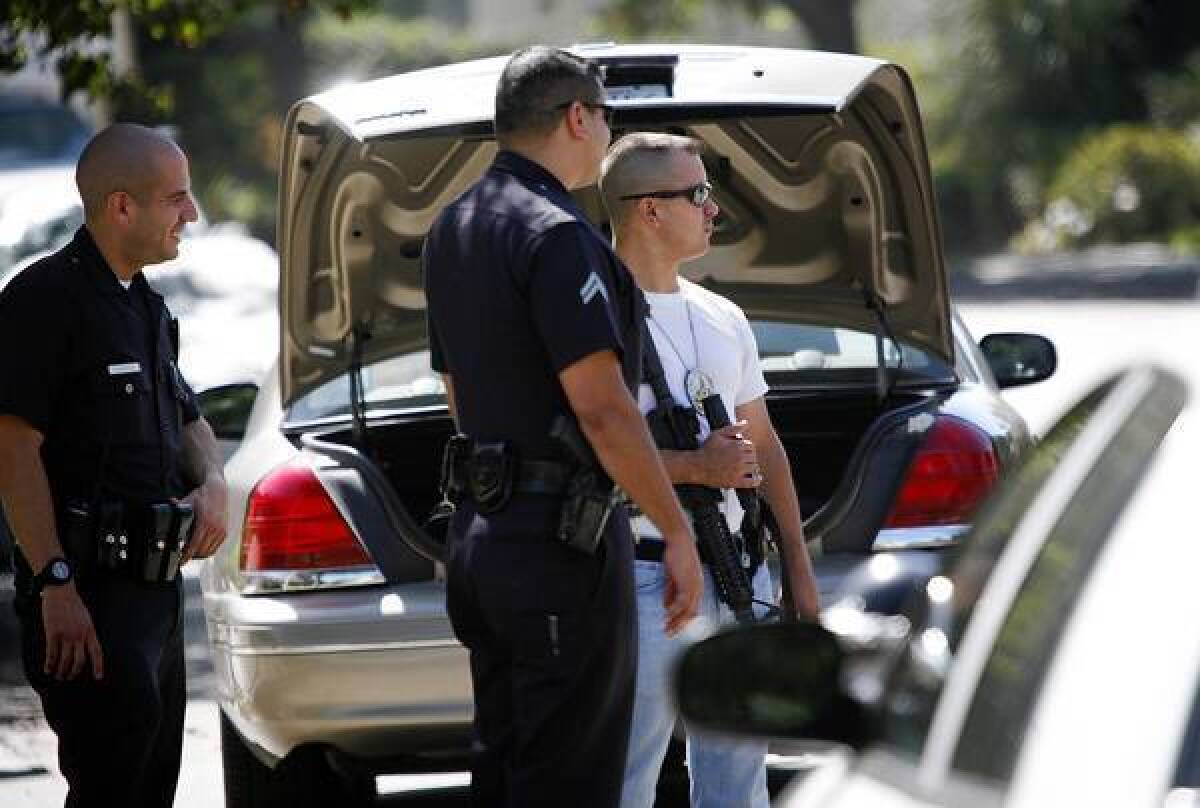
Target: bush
point(1123, 184)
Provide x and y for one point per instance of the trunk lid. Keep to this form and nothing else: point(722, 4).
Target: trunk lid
point(818, 162)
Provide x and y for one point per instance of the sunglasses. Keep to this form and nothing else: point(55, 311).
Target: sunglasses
point(698, 194)
point(609, 111)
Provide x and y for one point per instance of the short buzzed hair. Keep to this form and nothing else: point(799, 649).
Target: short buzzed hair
point(122, 157)
point(537, 83)
point(638, 163)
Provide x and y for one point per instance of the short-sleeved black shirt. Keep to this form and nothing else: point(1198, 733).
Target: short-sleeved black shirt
point(89, 363)
point(520, 285)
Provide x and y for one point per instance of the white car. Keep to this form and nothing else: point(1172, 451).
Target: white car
point(1056, 662)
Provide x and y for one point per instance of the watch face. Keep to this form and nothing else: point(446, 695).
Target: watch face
point(59, 571)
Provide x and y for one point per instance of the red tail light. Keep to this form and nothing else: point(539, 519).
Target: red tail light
point(951, 473)
point(292, 524)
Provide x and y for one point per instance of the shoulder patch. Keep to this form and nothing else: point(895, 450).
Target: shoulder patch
point(591, 287)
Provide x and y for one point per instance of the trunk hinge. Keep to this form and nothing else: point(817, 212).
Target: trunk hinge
point(885, 378)
point(359, 335)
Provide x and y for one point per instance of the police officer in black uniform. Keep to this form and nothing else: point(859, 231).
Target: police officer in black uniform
point(106, 469)
point(534, 323)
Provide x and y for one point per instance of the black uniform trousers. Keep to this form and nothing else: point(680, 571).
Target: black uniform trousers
point(552, 641)
point(119, 738)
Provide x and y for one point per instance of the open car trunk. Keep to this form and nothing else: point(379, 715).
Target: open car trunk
point(819, 167)
point(834, 441)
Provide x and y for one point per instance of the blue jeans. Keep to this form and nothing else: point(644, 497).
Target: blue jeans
point(724, 771)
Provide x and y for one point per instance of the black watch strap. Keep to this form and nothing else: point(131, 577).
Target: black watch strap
point(57, 572)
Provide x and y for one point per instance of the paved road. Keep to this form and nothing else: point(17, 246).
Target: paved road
point(1093, 339)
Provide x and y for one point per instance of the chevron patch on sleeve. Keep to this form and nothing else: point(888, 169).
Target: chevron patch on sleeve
point(591, 287)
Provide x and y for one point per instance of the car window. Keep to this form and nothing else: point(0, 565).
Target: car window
point(399, 382)
point(793, 352)
point(790, 353)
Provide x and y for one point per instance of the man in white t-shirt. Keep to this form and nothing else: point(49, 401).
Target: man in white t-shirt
point(661, 208)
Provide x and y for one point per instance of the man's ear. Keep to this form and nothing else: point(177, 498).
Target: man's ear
point(119, 206)
point(576, 125)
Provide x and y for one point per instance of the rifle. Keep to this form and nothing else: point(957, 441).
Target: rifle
point(758, 521)
point(676, 427)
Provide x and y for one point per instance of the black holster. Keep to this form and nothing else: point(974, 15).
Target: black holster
point(591, 496)
point(590, 501)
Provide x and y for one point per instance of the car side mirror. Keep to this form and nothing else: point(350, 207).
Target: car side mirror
point(227, 409)
point(780, 680)
point(1018, 359)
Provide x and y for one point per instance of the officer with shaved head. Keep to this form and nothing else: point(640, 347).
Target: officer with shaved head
point(109, 477)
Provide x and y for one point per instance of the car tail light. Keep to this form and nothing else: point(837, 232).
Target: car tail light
point(952, 471)
point(295, 538)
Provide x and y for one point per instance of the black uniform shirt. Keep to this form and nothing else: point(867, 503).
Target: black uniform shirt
point(520, 285)
point(88, 364)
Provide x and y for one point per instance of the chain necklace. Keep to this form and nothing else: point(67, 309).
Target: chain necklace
point(699, 385)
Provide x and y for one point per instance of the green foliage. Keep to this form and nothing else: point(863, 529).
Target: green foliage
point(824, 24)
point(636, 19)
point(380, 44)
point(1029, 75)
point(71, 32)
point(1125, 183)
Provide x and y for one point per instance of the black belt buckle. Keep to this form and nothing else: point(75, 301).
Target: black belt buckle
point(490, 475)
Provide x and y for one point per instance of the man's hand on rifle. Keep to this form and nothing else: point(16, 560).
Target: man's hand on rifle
point(728, 460)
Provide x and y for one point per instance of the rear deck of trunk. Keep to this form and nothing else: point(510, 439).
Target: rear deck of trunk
point(826, 437)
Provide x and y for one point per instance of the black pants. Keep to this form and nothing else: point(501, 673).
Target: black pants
point(553, 652)
point(120, 738)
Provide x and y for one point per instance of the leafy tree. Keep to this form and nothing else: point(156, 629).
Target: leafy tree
point(829, 23)
point(1031, 77)
point(70, 31)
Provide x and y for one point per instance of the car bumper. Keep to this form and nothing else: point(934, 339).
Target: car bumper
point(374, 672)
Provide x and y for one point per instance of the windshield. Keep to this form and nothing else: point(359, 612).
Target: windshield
point(791, 354)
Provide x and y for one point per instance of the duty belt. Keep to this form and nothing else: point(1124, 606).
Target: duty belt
point(649, 548)
point(143, 541)
point(538, 477)
point(490, 473)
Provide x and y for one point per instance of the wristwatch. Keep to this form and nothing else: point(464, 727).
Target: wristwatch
point(56, 573)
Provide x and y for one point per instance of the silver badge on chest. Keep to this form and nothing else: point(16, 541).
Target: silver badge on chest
point(699, 386)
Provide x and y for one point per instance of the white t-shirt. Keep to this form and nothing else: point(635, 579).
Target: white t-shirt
point(724, 349)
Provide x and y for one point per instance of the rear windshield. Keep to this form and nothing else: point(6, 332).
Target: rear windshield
point(796, 353)
point(791, 354)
